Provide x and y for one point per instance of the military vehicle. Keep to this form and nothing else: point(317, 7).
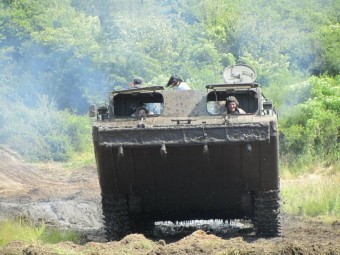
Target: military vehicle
point(185, 158)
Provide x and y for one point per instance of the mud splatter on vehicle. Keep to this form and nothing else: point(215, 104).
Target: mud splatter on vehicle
point(187, 158)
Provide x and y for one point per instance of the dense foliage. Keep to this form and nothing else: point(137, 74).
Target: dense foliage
point(312, 128)
point(57, 57)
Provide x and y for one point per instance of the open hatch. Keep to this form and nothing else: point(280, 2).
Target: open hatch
point(125, 102)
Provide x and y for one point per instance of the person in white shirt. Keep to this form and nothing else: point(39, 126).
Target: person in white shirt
point(177, 83)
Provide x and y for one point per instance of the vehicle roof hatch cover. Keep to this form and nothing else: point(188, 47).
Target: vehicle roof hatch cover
point(239, 73)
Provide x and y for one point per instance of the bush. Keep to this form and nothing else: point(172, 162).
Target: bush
point(312, 128)
point(44, 133)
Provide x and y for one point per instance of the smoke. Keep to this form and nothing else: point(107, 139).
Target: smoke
point(75, 52)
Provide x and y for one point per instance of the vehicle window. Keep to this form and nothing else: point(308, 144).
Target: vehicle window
point(216, 101)
point(216, 107)
point(154, 108)
point(125, 105)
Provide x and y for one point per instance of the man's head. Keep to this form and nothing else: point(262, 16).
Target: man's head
point(230, 99)
point(174, 80)
point(141, 112)
point(231, 103)
point(138, 81)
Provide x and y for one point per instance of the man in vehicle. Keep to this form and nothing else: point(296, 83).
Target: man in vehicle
point(141, 112)
point(232, 106)
point(177, 83)
point(136, 83)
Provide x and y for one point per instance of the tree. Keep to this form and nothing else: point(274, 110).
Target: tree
point(53, 47)
point(312, 128)
point(327, 48)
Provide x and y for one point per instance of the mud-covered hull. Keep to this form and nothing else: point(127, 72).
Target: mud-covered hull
point(188, 162)
point(194, 177)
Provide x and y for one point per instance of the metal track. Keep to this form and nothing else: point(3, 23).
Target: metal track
point(266, 218)
point(119, 222)
point(116, 218)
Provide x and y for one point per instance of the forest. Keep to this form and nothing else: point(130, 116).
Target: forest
point(58, 57)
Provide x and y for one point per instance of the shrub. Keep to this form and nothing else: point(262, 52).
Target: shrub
point(44, 133)
point(312, 128)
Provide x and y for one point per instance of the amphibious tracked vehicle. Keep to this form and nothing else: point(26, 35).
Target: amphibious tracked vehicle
point(186, 158)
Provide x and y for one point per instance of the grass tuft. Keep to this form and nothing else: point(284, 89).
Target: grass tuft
point(54, 236)
point(25, 230)
point(19, 229)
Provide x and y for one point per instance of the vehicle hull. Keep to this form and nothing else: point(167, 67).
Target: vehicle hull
point(189, 160)
point(191, 179)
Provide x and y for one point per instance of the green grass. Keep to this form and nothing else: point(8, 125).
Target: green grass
point(11, 230)
point(54, 236)
point(314, 195)
point(24, 230)
point(311, 188)
point(291, 168)
point(81, 160)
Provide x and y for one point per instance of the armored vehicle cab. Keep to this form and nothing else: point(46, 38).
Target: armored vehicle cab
point(186, 158)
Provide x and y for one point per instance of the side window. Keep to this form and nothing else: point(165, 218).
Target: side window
point(125, 105)
point(216, 107)
point(247, 100)
point(216, 102)
point(154, 108)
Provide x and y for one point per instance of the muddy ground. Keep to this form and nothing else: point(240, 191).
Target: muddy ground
point(70, 199)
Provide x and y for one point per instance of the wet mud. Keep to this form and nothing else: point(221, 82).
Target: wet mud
point(70, 199)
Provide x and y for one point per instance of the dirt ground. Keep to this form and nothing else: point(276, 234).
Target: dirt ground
point(70, 199)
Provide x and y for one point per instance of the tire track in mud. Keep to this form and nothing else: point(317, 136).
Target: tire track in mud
point(49, 193)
